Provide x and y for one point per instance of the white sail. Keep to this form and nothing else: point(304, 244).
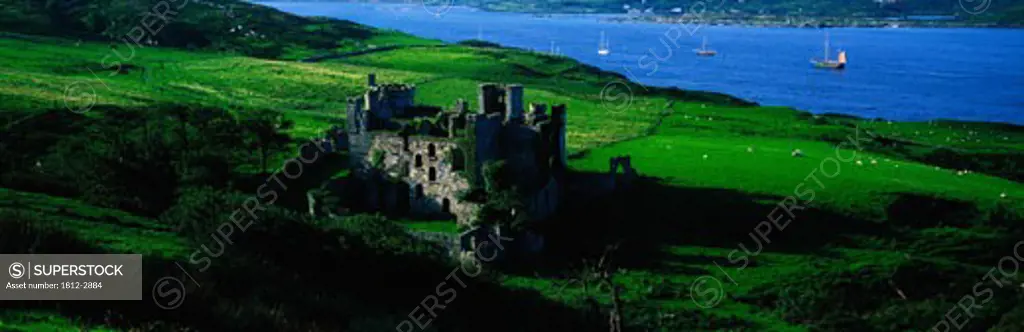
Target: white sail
point(603, 45)
point(826, 46)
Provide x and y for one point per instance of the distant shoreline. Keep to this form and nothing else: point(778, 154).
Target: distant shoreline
point(779, 22)
point(810, 22)
point(740, 20)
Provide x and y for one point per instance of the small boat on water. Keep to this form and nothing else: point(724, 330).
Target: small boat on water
point(827, 63)
point(603, 45)
point(703, 50)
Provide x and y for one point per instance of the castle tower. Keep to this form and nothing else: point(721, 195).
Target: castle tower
point(357, 120)
point(558, 121)
point(457, 119)
point(491, 98)
point(390, 100)
point(537, 114)
point(371, 101)
point(358, 129)
point(514, 103)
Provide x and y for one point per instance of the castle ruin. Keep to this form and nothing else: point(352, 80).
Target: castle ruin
point(419, 160)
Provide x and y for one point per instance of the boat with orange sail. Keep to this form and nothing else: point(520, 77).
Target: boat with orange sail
point(826, 63)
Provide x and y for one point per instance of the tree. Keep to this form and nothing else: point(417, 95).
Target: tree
point(494, 174)
point(601, 275)
point(502, 203)
point(198, 210)
point(182, 115)
point(123, 156)
point(265, 133)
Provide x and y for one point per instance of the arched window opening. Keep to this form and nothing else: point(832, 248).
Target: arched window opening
point(419, 161)
point(446, 206)
point(431, 150)
point(433, 174)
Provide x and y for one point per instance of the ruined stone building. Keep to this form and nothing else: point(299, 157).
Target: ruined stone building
point(419, 160)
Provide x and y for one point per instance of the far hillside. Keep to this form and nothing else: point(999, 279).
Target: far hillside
point(223, 25)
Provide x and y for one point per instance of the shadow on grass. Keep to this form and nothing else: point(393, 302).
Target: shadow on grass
point(292, 191)
point(652, 215)
point(285, 275)
point(920, 211)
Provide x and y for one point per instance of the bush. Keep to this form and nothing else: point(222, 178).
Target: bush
point(479, 43)
point(199, 210)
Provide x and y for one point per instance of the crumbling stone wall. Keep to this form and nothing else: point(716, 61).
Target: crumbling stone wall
point(430, 168)
point(421, 160)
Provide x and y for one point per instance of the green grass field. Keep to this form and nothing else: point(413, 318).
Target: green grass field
point(902, 221)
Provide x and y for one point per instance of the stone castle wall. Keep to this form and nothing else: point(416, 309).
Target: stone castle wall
point(421, 168)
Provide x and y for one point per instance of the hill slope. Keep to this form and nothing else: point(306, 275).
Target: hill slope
point(230, 26)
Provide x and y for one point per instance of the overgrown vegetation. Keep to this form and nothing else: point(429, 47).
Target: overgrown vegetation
point(164, 193)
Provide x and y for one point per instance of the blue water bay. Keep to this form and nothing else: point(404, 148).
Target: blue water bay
point(899, 74)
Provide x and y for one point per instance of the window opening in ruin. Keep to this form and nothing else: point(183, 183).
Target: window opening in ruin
point(458, 160)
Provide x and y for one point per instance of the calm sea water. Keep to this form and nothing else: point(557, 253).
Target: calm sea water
point(899, 74)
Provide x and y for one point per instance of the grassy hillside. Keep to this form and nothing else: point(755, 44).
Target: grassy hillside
point(230, 26)
point(150, 156)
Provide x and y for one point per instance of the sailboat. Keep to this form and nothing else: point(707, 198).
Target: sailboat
point(602, 46)
point(703, 50)
point(826, 63)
